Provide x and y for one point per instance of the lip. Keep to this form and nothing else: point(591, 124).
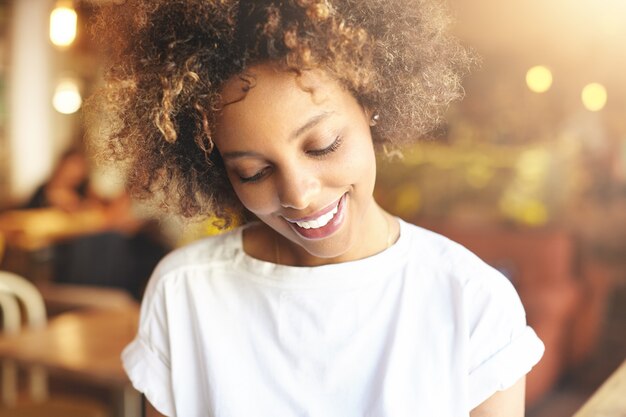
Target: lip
point(318, 214)
point(325, 231)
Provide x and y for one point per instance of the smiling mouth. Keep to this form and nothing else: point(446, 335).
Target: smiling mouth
point(321, 221)
point(323, 225)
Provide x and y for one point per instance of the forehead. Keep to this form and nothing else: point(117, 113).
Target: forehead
point(266, 84)
point(267, 100)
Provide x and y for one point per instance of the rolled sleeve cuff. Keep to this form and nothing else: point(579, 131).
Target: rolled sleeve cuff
point(149, 375)
point(506, 367)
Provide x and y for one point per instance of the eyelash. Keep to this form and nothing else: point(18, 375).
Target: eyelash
point(327, 150)
point(255, 177)
point(319, 153)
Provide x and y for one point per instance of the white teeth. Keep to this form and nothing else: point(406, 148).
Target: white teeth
point(320, 221)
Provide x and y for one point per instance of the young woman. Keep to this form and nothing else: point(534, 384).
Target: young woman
point(322, 304)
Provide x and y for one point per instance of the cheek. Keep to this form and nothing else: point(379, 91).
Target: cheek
point(255, 198)
point(360, 163)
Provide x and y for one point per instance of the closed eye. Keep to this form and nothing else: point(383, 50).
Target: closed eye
point(256, 177)
point(327, 150)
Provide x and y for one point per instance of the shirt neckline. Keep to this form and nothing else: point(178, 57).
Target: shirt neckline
point(345, 274)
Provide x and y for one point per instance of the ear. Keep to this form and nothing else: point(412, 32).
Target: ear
point(371, 115)
point(368, 111)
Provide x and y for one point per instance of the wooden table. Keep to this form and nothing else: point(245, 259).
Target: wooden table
point(610, 399)
point(83, 344)
point(36, 228)
point(29, 235)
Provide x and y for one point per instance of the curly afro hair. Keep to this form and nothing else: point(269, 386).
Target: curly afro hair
point(168, 59)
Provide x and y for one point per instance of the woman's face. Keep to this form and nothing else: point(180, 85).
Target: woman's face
point(299, 154)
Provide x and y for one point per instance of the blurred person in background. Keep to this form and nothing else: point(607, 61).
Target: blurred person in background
point(68, 185)
point(122, 249)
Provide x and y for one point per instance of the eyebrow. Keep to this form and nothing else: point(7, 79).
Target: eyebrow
point(310, 124)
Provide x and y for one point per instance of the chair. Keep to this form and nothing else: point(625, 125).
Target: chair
point(16, 291)
point(10, 325)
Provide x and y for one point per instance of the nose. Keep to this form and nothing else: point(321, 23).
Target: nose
point(298, 188)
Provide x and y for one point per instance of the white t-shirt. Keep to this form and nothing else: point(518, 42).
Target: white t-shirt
point(423, 328)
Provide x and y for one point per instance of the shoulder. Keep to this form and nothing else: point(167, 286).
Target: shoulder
point(445, 256)
point(474, 283)
point(210, 252)
point(180, 276)
point(500, 347)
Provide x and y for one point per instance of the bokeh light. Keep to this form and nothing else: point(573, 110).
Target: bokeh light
point(594, 97)
point(63, 26)
point(67, 98)
point(539, 79)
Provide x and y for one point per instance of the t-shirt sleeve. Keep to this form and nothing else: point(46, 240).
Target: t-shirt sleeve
point(146, 359)
point(502, 348)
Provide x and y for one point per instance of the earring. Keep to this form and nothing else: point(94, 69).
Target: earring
point(374, 119)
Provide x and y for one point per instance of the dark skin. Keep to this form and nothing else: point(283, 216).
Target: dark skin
point(297, 167)
point(151, 411)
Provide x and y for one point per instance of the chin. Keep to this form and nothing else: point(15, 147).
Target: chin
point(327, 249)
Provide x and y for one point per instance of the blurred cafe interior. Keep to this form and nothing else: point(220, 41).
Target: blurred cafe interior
point(528, 171)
